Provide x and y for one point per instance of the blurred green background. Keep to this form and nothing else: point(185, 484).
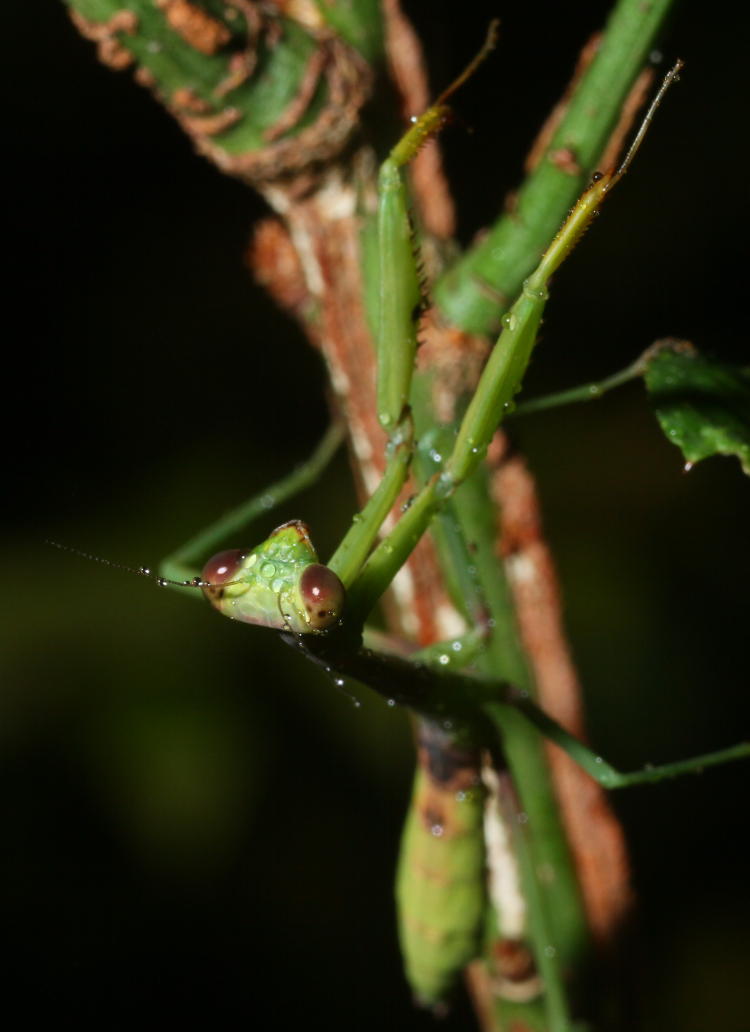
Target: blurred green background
point(196, 823)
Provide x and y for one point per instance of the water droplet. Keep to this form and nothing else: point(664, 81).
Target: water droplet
point(385, 419)
point(252, 560)
point(277, 585)
point(267, 501)
point(672, 433)
point(145, 571)
point(509, 321)
point(447, 725)
point(357, 518)
point(161, 582)
point(535, 293)
point(594, 390)
point(445, 485)
point(599, 759)
point(391, 702)
point(456, 646)
point(687, 467)
point(461, 797)
point(339, 682)
point(435, 455)
point(437, 830)
point(550, 951)
point(267, 570)
point(444, 659)
point(523, 817)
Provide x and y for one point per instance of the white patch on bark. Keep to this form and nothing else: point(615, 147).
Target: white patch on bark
point(504, 877)
point(521, 568)
point(336, 199)
point(449, 622)
point(403, 588)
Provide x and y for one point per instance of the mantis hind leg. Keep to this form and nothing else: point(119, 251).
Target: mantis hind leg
point(182, 564)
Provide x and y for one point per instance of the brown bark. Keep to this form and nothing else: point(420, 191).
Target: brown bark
point(592, 829)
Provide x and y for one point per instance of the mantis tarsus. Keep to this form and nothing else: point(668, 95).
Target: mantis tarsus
point(365, 573)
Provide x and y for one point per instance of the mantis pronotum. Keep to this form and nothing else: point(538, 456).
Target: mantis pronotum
point(250, 585)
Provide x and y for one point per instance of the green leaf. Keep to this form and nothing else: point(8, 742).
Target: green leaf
point(702, 406)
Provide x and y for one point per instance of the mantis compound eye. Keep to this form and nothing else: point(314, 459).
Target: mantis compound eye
point(223, 566)
point(322, 595)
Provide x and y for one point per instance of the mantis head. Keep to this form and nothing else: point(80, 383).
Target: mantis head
point(279, 584)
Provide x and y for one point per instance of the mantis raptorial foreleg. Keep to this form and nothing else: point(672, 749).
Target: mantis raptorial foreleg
point(500, 381)
point(398, 306)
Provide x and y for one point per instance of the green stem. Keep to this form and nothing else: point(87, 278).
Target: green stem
point(602, 771)
point(241, 119)
point(475, 292)
point(505, 661)
point(546, 952)
point(585, 392)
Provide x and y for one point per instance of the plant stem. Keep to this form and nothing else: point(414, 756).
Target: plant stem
point(475, 292)
point(585, 392)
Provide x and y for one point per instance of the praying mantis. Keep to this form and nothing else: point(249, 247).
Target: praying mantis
point(282, 585)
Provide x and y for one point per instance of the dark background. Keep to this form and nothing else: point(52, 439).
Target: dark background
point(195, 823)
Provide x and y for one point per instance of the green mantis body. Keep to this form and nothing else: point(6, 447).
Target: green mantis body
point(447, 916)
point(440, 882)
point(281, 584)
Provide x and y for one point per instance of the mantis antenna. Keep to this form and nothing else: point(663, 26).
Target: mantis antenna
point(672, 76)
point(487, 47)
point(279, 584)
point(140, 571)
